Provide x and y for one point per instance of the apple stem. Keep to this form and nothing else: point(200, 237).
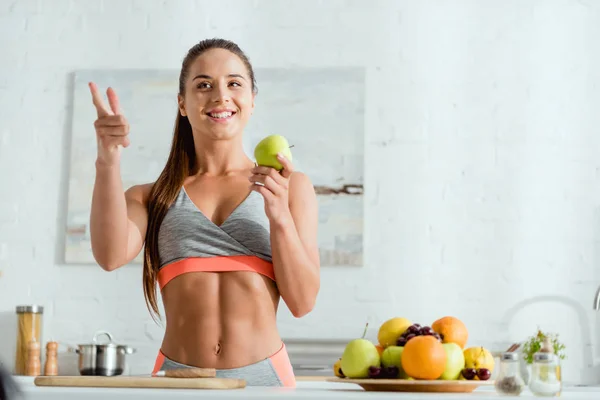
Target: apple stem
point(365, 331)
point(292, 146)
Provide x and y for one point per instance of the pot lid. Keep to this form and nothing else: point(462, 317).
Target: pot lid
point(110, 344)
point(105, 344)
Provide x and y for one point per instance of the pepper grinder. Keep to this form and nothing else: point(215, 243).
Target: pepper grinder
point(33, 358)
point(51, 366)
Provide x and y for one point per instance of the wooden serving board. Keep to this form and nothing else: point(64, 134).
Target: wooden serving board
point(311, 378)
point(410, 385)
point(139, 382)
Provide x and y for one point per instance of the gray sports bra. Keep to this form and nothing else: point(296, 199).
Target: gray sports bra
point(190, 242)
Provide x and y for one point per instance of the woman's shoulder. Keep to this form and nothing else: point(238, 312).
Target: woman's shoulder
point(302, 193)
point(300, 184)
point(140, 192)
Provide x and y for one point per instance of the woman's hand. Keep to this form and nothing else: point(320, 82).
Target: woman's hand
point(112, 128)
point(274, 187)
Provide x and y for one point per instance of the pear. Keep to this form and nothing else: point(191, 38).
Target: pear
point(358, 356)
point(265, 152)
point(479, 357)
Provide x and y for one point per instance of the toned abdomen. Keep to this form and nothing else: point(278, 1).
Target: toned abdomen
point(220, 320)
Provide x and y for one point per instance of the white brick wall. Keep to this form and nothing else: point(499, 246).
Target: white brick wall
point(482, 164)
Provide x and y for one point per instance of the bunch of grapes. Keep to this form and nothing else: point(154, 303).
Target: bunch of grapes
point(417, 330)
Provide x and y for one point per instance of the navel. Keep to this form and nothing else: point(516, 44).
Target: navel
point(218, 349)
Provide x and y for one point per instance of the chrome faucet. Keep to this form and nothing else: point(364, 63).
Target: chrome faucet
point(597, 300)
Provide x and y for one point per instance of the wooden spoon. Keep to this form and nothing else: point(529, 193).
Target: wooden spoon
point(186, 373)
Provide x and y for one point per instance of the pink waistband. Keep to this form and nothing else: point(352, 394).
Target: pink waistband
point(280, 360)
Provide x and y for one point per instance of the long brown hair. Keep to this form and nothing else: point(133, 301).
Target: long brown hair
point(181, 163)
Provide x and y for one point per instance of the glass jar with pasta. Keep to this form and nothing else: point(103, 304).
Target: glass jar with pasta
point(29, 327)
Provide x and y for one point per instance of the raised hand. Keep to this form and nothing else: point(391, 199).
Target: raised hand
point(274, 187)
point(112, 128)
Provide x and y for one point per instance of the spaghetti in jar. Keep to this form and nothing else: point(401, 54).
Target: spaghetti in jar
point(29, 328)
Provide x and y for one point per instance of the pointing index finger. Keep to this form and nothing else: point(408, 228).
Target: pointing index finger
point(101, 108)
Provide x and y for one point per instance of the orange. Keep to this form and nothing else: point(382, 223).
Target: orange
point(424, 357)
point(452, 330)
point(379, 349)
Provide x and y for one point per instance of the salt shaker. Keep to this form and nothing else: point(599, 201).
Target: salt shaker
point(509, 381)
point(545, 380)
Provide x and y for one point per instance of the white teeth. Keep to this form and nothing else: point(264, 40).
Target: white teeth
point(221, 115)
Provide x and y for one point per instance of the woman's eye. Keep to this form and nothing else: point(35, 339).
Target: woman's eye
point(207, 85)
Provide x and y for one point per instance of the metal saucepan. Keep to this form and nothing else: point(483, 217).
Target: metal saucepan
point(106, 359)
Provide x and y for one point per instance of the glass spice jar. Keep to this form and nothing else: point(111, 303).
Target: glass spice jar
point(509, 381)
point(29, 328)
point(545, 380)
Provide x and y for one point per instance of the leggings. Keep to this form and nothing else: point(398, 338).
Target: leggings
point(275, 370)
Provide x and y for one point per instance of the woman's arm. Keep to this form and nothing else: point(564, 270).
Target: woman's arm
point(292, 209)
point(118, 220)
point(295, 249)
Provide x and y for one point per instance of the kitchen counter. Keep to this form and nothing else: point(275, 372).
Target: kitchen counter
point(315, 389)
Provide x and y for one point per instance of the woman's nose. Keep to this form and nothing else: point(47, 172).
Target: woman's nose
point(221, 94)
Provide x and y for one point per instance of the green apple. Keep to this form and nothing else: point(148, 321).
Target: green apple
point(358, 356)
point(455, 361)
point(266, 151)
point(391, 356)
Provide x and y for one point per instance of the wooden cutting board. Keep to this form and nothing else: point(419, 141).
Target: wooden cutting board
point(139, 382)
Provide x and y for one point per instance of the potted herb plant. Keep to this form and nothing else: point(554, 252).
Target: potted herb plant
point(533, 344)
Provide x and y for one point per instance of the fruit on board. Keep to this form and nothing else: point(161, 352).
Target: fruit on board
point(451, 330)
point(359, 354)
point(337, 368)
point(469, 373)
point(390, 372)
point(416, 330)
point(424, 357)
point(374, 372)
point(479, 357)
point(419, 352)
point(390, 331)
point(455, 361)
point(392, 357)
point(484, 374)
point(480, 374)
point(265, 152)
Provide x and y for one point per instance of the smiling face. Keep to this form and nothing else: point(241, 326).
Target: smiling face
point(218, 98)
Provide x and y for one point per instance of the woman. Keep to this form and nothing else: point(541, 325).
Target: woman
point(224, 239)
point(9, 389)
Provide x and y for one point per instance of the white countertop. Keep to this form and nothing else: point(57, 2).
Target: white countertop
point(315, 390)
